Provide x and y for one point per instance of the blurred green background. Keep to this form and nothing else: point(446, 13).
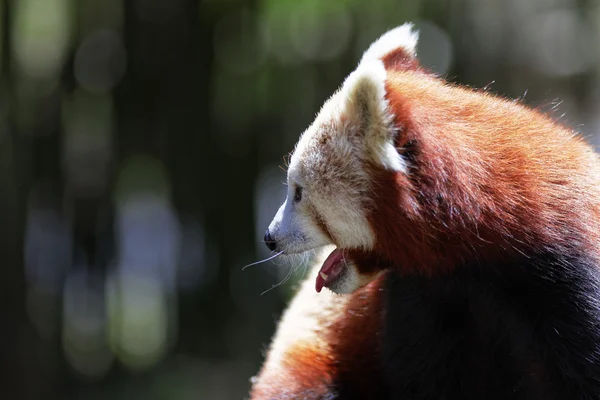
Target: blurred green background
point(140, 145)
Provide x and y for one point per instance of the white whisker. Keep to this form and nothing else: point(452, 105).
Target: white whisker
point(305, 270)
point(280, 283)
point(262, 261)
point(283, 260)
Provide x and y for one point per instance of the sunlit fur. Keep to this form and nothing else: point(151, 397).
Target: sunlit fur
point(329, 150)
point(353, 129)
point(313, 346)
point(479, 234)
point(404, 37)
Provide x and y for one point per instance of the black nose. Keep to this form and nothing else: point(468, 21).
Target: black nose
point(269, 241)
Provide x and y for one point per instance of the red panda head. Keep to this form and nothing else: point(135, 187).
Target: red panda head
point(400, 169)
point(329, 183)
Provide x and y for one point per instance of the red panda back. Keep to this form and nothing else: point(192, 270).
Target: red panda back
point(484, 171)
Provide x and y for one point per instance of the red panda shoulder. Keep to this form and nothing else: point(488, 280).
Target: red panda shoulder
point(483, 169)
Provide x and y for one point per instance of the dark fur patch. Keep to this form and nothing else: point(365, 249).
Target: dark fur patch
point(359, 373)
point(521, 328)
point(517, 329)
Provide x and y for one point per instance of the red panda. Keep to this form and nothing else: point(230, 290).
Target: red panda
point(466, 245)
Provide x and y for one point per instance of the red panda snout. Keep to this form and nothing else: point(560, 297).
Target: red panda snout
point(269, 241)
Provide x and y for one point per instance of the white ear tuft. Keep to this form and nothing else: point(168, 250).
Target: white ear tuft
point(401, 38)
point(365, 88)
point(366, 107)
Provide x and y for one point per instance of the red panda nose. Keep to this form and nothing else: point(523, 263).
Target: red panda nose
point(271, 244)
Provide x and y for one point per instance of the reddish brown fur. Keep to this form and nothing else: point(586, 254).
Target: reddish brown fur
point(313, 370)
point(400, 60)
point(303, 369)
point(493, 177)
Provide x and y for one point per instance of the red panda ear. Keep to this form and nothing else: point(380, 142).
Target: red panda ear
point(367, 113)
point(397, 49)
point(365, 106)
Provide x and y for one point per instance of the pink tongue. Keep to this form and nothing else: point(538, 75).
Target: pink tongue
point(332, 268)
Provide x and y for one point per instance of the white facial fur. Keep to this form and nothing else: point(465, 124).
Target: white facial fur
point(354, 128)
point(293, 230)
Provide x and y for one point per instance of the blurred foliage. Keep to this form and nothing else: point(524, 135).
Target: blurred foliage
point(140, 145)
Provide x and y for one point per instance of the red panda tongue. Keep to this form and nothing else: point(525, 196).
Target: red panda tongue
point(331, 269)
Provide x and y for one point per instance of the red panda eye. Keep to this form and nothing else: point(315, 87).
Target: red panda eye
point(298, 194)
